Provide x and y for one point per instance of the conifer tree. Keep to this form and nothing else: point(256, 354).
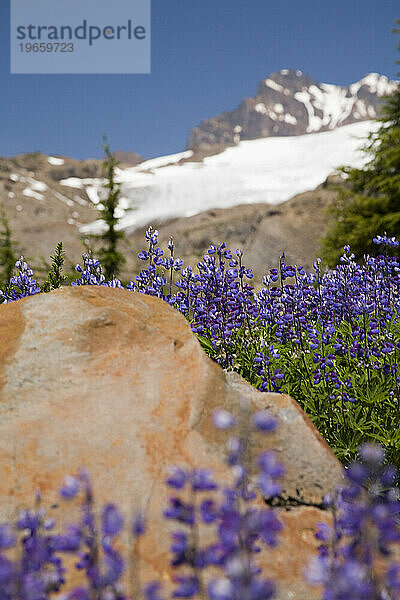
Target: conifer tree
point(111, 259)
point(7, 254)
point(369, 204)
point(55, 277)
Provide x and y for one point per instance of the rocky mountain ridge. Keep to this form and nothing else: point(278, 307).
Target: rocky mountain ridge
point(288, 103)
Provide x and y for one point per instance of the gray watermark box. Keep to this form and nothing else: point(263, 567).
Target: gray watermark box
point(80, 36)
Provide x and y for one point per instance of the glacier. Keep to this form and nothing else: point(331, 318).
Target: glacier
point(269, 170)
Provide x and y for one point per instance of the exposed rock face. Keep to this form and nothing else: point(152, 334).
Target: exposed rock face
point(53, 167)
point(291, 103)
point(130, 159)
point(41, 211)
point(116, 382)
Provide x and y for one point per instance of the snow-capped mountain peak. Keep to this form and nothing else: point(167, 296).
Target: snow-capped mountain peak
point(288, 103)
point(285, 140)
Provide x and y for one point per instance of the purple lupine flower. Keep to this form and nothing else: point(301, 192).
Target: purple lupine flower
point(139, 525)
point(223, 419)
point(269, 464)
point(270, 470)
point(70, 541)
point(70, 487)
point(21, 285)
point(7, 538)
point(112, 520)
point(91, 273)
point(177, 478)
point(32, 587)
point(385, 240)
point(264, 421)
point(235, 447)
point(79, 594)
point(114, 565)
point(268, 526)
point(201, 480)
point(372, 455)
point(29, 519)
point(180, 548)
point(393, 577)
point(209, 511)
point(240, 526)
point(180, 511)
point(221, 589)
point(7, 572)
point(323, 533)
point(187, 587)
point(152, 591)
point(365, 525)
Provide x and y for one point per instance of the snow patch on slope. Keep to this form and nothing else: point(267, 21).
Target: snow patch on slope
point(314, 122)
point(261, 108)
point(377, 84)
point(269, 170)
point(276, 86)
point(163, 161)
point(30, 193)
point(55, 162)
point(334, 103)
point(328, 105)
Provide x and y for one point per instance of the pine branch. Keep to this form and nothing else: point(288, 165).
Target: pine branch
point(55, 278)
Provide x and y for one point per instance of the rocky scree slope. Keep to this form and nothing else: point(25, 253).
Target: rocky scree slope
point(41, 211)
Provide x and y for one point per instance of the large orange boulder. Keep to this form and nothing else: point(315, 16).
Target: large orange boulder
point(116, 382)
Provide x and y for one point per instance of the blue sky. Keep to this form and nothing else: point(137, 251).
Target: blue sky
point(206, 56)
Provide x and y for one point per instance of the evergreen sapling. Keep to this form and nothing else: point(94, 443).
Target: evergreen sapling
point(111, 259)
point(7, 255)
point(55, 278)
